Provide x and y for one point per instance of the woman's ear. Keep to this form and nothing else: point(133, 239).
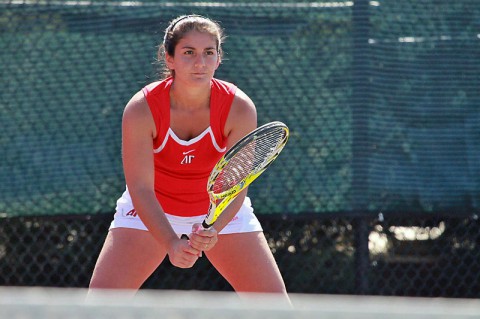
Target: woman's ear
point(169, 61)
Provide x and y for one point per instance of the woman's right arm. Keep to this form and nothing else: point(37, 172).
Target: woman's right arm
point(138, 131)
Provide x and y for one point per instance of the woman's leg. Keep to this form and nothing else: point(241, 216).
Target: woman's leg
point(128, 258)
point(246, 262)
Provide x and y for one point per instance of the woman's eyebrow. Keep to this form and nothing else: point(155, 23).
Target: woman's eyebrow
point(193, 48)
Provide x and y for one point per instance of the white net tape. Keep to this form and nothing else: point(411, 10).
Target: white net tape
point(170, 304)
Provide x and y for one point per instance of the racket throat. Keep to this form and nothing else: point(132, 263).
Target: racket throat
point(210, 218)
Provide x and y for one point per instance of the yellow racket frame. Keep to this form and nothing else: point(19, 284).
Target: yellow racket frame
point(226, 197)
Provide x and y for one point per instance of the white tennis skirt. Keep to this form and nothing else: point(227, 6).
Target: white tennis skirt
point(126, 217)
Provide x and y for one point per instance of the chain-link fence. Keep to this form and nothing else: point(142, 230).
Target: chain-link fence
point(381, 98)
point(397, 255)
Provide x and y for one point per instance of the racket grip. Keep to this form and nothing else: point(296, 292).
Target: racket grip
point(205, 226)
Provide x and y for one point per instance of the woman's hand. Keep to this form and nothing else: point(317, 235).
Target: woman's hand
point(203, 239)
point(182, 254)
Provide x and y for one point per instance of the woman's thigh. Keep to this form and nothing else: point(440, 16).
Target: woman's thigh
point(246, 262)
point(127, 259)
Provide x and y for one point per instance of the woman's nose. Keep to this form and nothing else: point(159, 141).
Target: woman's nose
point(200, 60)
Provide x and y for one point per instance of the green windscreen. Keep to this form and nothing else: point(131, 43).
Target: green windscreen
point(382, 99)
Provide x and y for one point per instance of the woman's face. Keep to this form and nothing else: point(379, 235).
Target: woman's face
point(196, 58)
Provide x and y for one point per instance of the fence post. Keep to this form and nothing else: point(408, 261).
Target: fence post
point(360, 148)
point(362, 255)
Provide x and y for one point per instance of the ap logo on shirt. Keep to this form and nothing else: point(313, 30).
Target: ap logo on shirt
point(187, 157)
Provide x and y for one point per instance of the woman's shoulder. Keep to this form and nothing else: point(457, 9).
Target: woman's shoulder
point(157, 86)
point(137, 104)
point(243, 108)
point(224, 87)
point(242, 99)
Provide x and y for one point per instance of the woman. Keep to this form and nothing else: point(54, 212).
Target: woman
point(189, 120)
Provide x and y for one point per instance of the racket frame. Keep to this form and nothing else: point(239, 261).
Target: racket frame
point(229, 195)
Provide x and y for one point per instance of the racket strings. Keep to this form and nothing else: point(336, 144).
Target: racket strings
point(253, 157)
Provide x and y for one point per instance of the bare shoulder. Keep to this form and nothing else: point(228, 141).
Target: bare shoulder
point(137, 113)
point(243, 106)
point(137, 105)
point(242, 118)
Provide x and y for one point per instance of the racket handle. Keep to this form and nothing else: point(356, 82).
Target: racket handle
point(204, 226)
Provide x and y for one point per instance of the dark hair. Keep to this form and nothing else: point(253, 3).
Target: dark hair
point(179, 27)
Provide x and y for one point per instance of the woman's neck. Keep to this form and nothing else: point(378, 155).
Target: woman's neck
point(189, 98)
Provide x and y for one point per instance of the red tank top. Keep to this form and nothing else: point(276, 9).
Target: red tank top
point(182, 167)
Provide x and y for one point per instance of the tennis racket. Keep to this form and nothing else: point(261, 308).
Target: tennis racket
point(241, 165)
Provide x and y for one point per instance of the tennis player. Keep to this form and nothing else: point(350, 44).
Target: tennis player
point(173, 133)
